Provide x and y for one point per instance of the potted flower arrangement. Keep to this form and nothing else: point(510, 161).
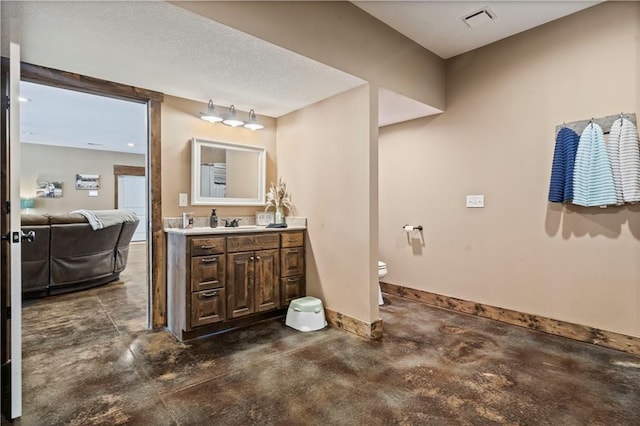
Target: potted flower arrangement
point(278, 197)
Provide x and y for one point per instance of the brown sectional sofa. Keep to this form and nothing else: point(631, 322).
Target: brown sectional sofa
point(68, 255)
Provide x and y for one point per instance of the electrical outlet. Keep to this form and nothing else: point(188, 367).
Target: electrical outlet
point(183, 201)
point(475, 201)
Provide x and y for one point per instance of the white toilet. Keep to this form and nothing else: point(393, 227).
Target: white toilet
point(382, 271)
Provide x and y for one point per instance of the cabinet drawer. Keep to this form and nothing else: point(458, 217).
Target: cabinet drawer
point(207, 272)
point(292, 239)
point(252, 242)
point(291, 262)
point(291, 288)
point(205, 246)
point(207, 307)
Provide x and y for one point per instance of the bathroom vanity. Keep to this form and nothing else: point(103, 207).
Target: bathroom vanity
point(223, 278)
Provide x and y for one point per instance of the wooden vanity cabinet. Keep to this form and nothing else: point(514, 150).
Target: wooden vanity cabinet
point(220, 282)
point(292, 284)
point(254, 271)
point(252, 282)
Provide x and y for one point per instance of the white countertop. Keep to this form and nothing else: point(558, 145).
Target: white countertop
point(221, 230)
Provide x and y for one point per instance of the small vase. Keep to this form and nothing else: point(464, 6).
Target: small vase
point(279, 218)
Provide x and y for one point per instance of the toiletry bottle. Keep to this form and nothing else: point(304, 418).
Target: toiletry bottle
point(213, 220)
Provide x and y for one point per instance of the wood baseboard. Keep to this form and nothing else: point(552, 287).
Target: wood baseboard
point(583, 333)
point(371, 331)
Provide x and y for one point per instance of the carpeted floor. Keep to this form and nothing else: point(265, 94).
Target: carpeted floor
point(88, 360)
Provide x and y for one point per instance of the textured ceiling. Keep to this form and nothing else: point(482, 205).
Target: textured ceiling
point(162, 47)
point(438, 25)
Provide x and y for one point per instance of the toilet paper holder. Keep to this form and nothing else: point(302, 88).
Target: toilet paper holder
point(408, 228)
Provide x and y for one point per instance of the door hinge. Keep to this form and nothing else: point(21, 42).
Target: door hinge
point(8, 312)
point(7, 205)
point(7, 102)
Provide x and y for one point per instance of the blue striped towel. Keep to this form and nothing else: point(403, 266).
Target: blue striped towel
point(564, 155)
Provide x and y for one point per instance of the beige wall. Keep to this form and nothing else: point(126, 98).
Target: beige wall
point(326, 162)
point(341, 35)
point(497, 138)
point(52, 163)
point(181, 123)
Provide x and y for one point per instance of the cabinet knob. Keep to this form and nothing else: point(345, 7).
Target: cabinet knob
point(257, 257)
point(251, 258)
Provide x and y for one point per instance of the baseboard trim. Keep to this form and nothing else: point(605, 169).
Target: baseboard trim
point(583, 333)
point(364, 329)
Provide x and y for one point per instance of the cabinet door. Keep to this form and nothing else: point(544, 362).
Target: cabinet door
point(267, 295)
point(207, 307)
point(240, 284)
point(207, 272)
point(291, 288)
point(292, 261)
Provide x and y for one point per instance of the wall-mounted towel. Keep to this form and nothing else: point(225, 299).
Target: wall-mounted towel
point(624, 155)
point(564, 155)
point(592, 176)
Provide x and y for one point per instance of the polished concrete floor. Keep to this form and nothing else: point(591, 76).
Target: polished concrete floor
point(89, 360)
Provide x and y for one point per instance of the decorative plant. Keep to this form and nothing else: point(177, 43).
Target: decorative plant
point(278, 196)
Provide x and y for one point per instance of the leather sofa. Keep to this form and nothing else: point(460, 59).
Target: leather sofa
point(68, 255)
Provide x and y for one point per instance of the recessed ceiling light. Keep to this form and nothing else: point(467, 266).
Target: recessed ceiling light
point(23, 99)
point(130, 144)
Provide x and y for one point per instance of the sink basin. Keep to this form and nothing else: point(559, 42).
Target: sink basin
point(236, 228)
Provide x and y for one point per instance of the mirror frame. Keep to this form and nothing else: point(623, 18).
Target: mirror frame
point(196, 148)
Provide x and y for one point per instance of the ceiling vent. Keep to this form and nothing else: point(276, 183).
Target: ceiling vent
point(480, 17)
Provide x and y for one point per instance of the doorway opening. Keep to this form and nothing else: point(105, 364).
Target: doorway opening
point(131, 194)
point(83, 152)
point(156, 292)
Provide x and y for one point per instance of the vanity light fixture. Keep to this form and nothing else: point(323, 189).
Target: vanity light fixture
point(232, 118)
point(210, 115)
point(253, 124)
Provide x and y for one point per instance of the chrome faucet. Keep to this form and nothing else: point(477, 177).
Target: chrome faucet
point(233, 223)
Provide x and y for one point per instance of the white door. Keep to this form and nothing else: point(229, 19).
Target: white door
point(132, 195)
point(12, 236)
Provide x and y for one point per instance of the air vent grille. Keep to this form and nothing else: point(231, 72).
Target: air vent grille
point(479, 17)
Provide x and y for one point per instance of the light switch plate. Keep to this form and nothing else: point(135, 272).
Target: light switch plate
point(475, 201)
point(183, 201)
point(93, 193)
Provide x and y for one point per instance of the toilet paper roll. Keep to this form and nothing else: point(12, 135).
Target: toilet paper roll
point(409, 228)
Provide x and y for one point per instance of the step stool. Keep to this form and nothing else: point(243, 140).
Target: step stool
point(306, 314)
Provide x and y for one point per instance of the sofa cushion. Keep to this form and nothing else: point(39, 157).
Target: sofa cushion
point(78, 253)
point(34, 219)
point(62, 218)
point(35, 259)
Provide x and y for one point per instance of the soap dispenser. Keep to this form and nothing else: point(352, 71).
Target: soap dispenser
point(213, 220)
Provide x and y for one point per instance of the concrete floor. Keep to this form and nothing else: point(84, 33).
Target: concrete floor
point(89, 360)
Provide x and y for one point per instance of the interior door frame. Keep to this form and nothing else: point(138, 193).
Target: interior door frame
point(153, 100)
point(119, 170)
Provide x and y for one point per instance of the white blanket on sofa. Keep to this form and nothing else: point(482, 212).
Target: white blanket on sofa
point(99, 219)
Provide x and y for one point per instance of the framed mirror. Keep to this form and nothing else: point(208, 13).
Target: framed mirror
point(227, 174)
